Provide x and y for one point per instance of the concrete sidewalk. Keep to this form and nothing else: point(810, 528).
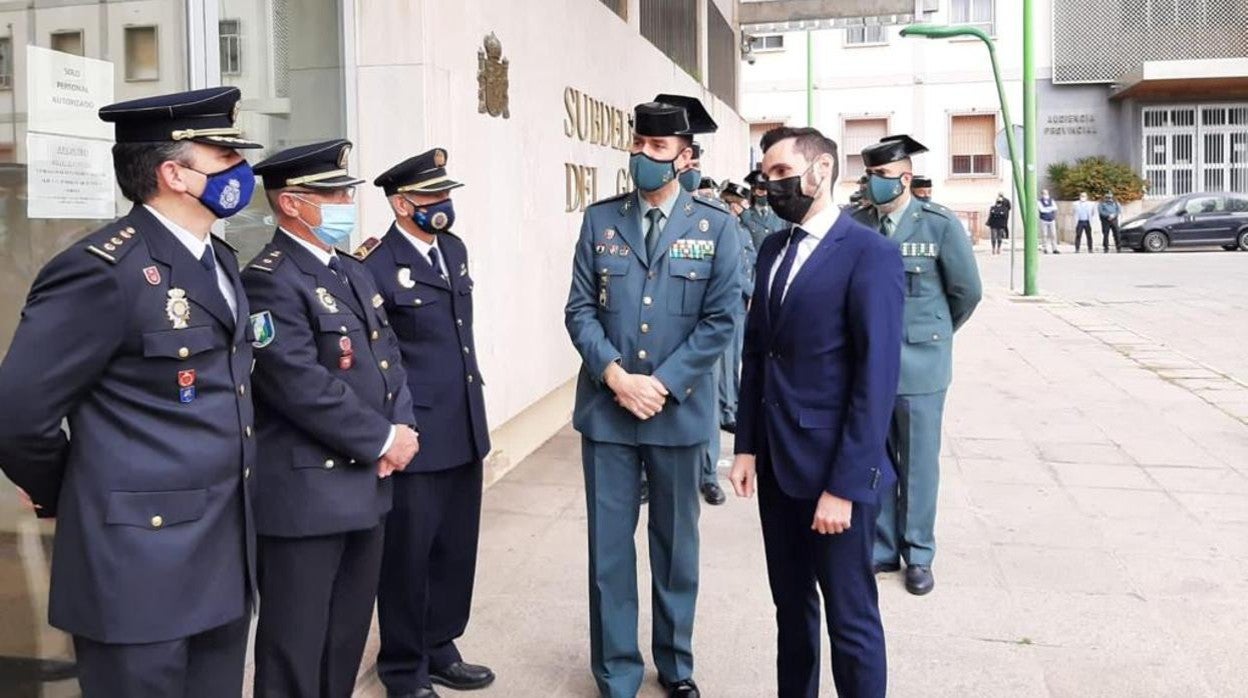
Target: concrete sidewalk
point(1093, 535)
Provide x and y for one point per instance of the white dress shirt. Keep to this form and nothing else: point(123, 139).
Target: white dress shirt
point(196, 247)
point(815, 228)
point(323, 256)
point(423, 248)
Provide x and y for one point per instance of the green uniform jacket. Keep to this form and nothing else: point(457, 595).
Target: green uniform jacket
point(942, 290)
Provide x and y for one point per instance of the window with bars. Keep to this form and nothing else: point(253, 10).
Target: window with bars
point(767, 42)
point(231, 41)
point(67, 42)
point(672, 26)
point(6, 63)
point(619, 7)
point(972, 146)
point(974, 13)
point(142, 54)
point(857, 134)
point(866, 35)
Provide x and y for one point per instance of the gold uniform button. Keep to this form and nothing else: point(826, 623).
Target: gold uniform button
point(466, 351)
point(385, 365)
point(375, 335)
point(247, 431)
point(642, 354)
point(233, 351)
point(459, 322)
point(242, 390)
point(651, 275)
point(418, 301)
point(693, 275)
point(469, 377)
point(688, 391)
point(389, 397)
point(935, 336)
point(645, 328)
point(246, 473)
point(647, 300)
point(158, 521)
point(343, 329)
point(183, 353)
point(329, 464)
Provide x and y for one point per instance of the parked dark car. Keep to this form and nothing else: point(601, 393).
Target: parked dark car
point(1202, 219)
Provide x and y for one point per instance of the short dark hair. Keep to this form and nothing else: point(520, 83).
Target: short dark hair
point(135, 165)
point(808, 141)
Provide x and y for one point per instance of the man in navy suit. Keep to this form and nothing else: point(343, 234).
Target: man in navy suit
point(430, 557)
point(818, 381)
point(137, 337)
point(334, 421)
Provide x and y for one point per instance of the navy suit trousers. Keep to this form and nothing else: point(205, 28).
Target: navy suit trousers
point(204, 665)
point(801, 563)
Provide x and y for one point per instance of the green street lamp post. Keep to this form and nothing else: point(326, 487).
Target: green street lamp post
point(1024, 185)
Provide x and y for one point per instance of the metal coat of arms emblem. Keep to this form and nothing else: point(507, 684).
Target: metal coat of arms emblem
point(492, 79)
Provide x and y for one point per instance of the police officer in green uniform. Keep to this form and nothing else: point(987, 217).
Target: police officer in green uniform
point(651, 307)
point(942, 290)
point(759, 218)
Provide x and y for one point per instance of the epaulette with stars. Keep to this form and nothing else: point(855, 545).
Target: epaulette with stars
point(939, 210)
point(112, 243)
point(267, 261)
point(366, 248)
point(710, 202)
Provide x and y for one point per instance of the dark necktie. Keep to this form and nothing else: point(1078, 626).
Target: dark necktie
point(776, 297)
point(335, 265)
point(433, 260)
point(886, 226)
point(653, 233)
point(209, 261)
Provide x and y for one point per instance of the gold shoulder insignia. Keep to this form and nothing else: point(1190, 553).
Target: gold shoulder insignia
point(365, 249)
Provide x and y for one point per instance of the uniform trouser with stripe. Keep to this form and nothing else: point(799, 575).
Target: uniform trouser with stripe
point(612, 494)
point(907, 523)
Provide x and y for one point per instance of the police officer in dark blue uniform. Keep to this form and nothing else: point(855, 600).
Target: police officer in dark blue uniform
point(651, 307)
point(136, 336)
point(430, 557)
point(335, 420)
point(942, 290)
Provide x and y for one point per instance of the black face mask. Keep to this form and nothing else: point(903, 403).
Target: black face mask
point(759, 199)
point(788, 199)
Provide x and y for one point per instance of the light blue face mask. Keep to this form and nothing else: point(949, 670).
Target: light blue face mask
point(883, 190)
point(337, 222)
point(690, 179)
point(650, 174)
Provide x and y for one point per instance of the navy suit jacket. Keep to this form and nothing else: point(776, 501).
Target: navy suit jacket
point(819, 381)
point(433, 320)
point(321, 425)
point(150, 490)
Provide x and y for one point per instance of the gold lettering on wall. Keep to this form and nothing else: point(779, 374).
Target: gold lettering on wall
point(595, 122)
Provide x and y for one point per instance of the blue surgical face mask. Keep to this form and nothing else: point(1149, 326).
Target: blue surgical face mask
point(434, 218)
point(884, 190)
point(228, 191)
point(650, 174)
point(337, 222)
point(690, 179)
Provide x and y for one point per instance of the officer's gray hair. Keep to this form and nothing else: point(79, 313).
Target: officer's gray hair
point(136, 163)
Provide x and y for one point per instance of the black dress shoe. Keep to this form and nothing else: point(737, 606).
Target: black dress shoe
point(681, 689)
point(882, 567)
point(463, 677)
point(645, 491)
point(426, 692)
point(919, 579)
point(713, 494)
